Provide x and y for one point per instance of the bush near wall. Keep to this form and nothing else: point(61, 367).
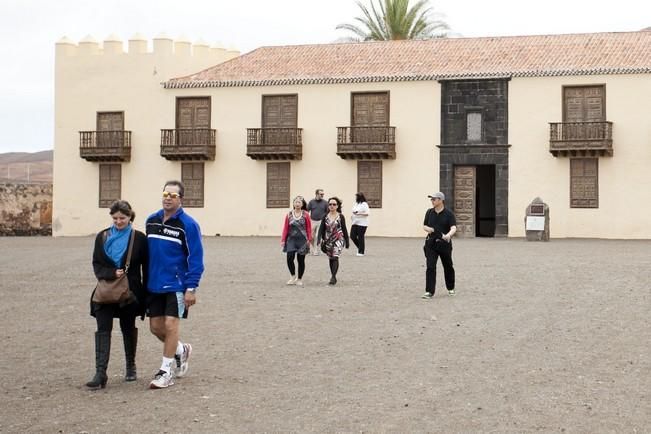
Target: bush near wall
point(25, 209)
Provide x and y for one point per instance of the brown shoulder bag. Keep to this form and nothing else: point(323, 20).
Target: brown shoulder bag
point(117, 290)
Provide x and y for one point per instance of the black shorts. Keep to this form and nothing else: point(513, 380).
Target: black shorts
point(166, 304)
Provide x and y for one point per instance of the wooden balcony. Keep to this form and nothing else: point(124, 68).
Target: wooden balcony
point(274, 143)
point(581, 139)
point(366, 143)
point(196, 144)
point(105, 145)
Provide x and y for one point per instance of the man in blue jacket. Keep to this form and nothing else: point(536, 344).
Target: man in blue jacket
point(175, 268)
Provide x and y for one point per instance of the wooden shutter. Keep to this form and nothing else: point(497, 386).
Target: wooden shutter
point(584, 104)
point(370, 109)
point(192, 175)
point(584, 183)
point(369, 182)
point(278, 178)
point(107, 122)
point(193, 112)
point(279, 111)
point(110, 182)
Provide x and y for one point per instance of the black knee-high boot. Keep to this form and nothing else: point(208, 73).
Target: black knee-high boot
point(102, 352)
point(130, 338)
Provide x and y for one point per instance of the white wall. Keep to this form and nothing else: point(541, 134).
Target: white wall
point(624, 197)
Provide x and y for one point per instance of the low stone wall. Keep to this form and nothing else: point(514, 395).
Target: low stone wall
point(25, 209)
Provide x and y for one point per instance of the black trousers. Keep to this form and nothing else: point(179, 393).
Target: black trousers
point(444, 251)
point(104, 317)
point(357, 237)
point(301, 264)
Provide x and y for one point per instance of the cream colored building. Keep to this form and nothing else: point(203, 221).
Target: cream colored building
point(491, 122)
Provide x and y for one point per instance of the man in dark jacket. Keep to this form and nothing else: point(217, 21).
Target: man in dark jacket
point(318, 208)
point(175, 268)
point(440, 225)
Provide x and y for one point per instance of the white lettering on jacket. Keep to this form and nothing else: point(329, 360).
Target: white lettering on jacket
point(171, 232)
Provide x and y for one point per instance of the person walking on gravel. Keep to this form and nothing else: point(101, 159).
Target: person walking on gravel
point(440, 225)
point(111, 261)
point(295, 239)
point(318, 208)
point(175, 268)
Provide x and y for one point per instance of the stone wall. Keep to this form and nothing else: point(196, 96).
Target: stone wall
point(25, 209)
point(490, 98)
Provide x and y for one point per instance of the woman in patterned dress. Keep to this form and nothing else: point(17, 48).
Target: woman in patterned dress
point(333, 236)
point(296, 237)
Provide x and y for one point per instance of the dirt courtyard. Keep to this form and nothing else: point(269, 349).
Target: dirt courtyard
point(549, 337)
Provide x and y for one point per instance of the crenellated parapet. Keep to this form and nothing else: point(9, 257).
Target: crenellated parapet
point(138, 45)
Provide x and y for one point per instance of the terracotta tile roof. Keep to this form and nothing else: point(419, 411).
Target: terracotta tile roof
point(436, 59)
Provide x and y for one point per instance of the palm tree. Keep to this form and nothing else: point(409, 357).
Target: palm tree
point(394, 20)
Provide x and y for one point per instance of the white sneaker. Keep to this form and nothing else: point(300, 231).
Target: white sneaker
point(360, 254)
point(162, 380)
point(299, 282)
point(182, 361)
point(292, 281)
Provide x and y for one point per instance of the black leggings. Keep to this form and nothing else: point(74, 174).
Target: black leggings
point(301, 264)
point(334, 266)
point(357, 236)
point(104, 317)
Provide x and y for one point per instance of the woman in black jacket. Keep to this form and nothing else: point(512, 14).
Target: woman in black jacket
point(333, 236)
point(109, 257)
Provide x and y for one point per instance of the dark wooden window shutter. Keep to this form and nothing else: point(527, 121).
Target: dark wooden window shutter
point(279, 111)
point(370, 109)
point(109, 127)
point(192, 175)
point(278, 179)
point(584, 183)
point(369, 182)
point(584, 104)
point(110, 184)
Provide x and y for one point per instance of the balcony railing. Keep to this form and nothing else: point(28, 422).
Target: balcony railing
point(581, 139)
point(274, 143)
point(188, 144)
point(368, 143)
point(105, 145)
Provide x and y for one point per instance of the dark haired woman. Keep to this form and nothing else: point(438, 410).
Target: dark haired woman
point(109, 257)
point(333, 236)
point(296, 237)
point(359, 222)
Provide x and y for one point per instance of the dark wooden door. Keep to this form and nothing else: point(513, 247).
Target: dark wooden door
point(584, 104)
point(369, 110)
point(193, 120)
point(110, 126)
point(465, 180)
point(279, 119)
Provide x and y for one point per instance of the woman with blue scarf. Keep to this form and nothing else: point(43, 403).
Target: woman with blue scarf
point(109, 257)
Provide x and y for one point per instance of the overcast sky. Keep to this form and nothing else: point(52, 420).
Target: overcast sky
point(30, 29)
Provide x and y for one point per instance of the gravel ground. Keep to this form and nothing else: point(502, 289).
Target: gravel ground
point(550, 337)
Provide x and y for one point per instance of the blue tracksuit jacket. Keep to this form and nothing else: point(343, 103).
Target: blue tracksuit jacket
point(175, 252)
